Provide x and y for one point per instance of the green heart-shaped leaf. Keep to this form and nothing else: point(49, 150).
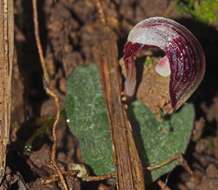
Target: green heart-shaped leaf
point(86, 110)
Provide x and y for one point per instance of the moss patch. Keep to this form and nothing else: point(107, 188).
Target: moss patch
point(203, 10)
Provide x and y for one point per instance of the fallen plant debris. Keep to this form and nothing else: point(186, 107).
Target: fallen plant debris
point(6, 62)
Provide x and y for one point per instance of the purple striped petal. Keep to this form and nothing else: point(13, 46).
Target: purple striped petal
point(183, 50)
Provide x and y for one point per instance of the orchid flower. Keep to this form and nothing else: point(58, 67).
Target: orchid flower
point(183, 62)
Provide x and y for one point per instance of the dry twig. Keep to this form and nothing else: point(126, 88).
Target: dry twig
point(55, 177)
point(164, 163)
point(6, 59)
point(162, 185)
point(73, 173)
point(50, 91)
point(99, 178)
point(129, 173)
point(177, 157)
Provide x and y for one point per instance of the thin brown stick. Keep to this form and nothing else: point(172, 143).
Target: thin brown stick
point(164, 163)
point(6, 64)
point(99, 178)
point(184, 164)
point(162, 185)
point(129, 173)
point(55, 177)
point(49, 90)
point(177, 157)
point(73, 173)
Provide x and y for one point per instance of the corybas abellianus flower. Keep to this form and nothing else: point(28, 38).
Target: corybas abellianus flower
point(183, 62)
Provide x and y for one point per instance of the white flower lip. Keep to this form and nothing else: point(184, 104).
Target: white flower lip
point(163, 67)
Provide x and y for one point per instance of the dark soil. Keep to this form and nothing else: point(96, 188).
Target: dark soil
point(68, 30)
